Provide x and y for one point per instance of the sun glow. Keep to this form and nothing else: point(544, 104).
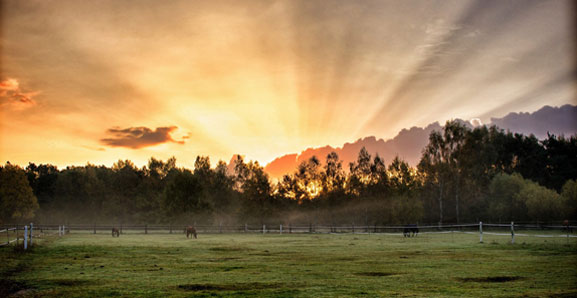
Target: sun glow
point(266, 78)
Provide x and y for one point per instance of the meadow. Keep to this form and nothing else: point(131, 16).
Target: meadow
point(289, 265)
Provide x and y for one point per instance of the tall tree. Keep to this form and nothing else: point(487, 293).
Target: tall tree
point(434, 167)
point(333, 176)
point(17, 201)
point(454, 135)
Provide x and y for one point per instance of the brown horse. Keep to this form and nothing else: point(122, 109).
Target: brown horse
point(115, 231)
point(190, 231)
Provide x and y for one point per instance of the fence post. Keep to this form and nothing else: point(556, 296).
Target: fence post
point(353, 228)
point(17, 236)
point(245, 228)
point(480, 232)
point(25, 237)
point(120, 229)
point(7, 236)
point(512, 233)
point(290, 228)
point(310, 227)
point(280, 230)
point(31, 231)
point(263, 229)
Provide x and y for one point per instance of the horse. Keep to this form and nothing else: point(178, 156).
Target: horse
point(115, 231)
point(410, 230)
point(190, 231)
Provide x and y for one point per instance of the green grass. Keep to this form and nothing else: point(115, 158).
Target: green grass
point(317, 265)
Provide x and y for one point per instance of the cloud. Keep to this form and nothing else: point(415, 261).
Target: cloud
point(476, 122)
point(139, 137)
point(11, 94)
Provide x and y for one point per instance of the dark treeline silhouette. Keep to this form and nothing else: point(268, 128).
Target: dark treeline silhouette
point(464, 175)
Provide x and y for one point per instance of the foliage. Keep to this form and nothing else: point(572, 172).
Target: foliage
point(465, 174)
point(17, 201)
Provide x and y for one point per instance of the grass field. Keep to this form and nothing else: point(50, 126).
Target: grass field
point(272, 265)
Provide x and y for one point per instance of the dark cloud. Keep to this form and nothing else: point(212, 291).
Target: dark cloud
point(139, 137)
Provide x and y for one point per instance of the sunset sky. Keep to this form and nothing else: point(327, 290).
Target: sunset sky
point(98, 81)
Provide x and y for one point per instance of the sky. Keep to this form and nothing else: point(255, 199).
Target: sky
point(99, 81)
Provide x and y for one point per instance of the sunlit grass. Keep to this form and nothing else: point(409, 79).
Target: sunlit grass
point(311, 265)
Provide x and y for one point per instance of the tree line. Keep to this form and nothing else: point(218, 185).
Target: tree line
point(464, 175)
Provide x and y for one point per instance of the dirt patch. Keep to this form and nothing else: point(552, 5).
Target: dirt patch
point(378, 274)
point(344, 259)
point(230, 287)
point(231, 268)
point(222, 259)
point(564, 294)
point(490, 279)
point(69, 282)
point(228, 248)
point(262, 254)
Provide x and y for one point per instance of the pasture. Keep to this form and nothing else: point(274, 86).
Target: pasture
point(288, 265)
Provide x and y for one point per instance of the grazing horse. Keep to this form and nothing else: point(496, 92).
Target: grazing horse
point(190, 231)
point(115, 231)
point(410, 231)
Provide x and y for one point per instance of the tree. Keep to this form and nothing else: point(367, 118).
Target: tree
point(379, 175)
point(543, 204)
point(454, 138)
point(182, 193)
point(360, 173)
point(561, 158)
point(569, 197)
point(42, 179)
point(434, 166)
point(308, 180)
point(402, 178)
point(17, 201)
point(158, 169)
point(505, 204)
point(256, 189)
point(333, 177)
point(441, 163)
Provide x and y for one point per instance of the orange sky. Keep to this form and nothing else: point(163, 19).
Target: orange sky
point(98, 81)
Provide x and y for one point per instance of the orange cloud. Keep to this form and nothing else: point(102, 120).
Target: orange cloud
point(139, 137)
point(11, 94)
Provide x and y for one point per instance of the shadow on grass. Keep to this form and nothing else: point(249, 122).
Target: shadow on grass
point(231, 287)
point(377, 274)
point(228, 248)
point(9, 287)
point(490, 279)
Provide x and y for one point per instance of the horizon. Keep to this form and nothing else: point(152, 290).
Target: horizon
point(299, 155)
point(265, 79)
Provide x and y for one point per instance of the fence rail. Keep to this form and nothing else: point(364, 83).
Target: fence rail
point(10, 232)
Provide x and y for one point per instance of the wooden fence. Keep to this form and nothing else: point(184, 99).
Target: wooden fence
point(25, 234)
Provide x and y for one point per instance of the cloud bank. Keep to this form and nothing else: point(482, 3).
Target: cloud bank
point(139, 137)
